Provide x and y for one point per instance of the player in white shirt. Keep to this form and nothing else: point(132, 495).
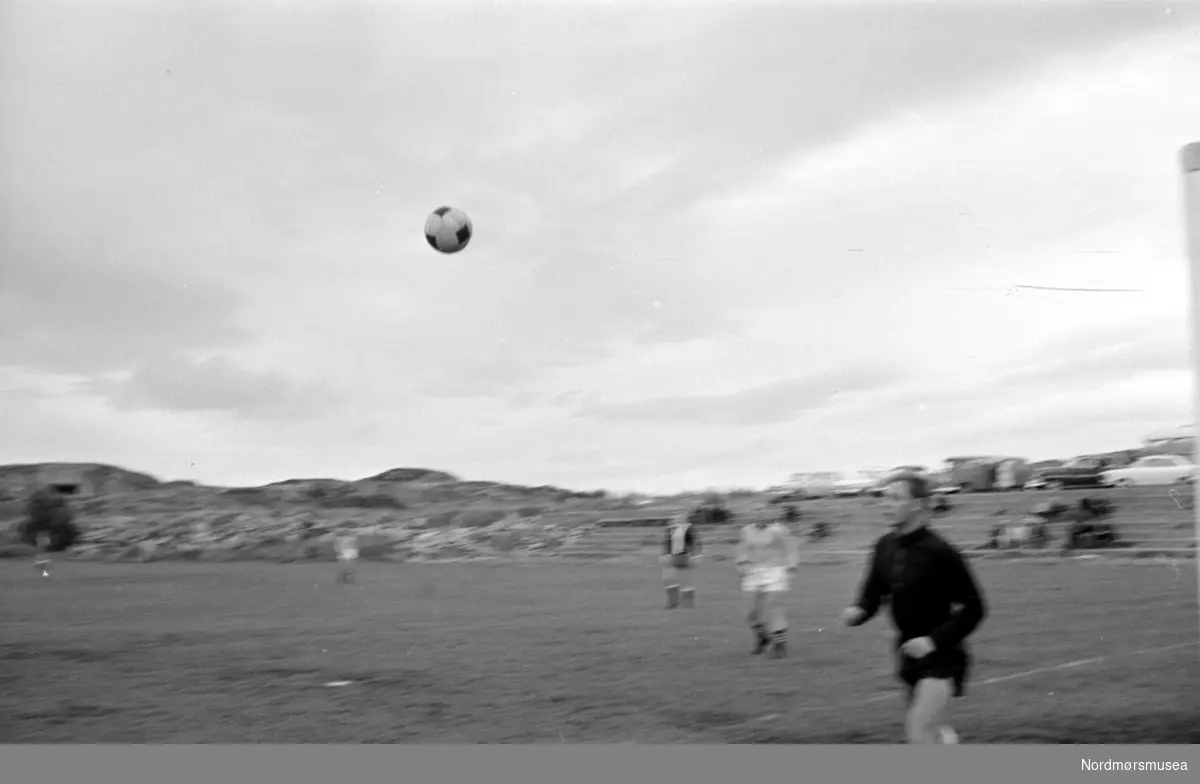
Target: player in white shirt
point(767, 554)
point(346, 546)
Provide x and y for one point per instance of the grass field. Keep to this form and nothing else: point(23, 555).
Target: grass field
point(568, 653)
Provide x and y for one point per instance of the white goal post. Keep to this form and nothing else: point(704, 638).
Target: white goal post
point(1190, 162)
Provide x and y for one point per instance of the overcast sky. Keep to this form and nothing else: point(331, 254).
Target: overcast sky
point(716, 243)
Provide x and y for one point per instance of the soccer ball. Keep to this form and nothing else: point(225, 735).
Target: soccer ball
point(448, 229)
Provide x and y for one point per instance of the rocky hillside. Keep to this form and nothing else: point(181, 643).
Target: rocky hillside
point(19, 480)
point(400, 513)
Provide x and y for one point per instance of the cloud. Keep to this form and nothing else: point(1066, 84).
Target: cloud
point(215, 384)
point(1092, 389)
point(763, 405)
point(51, 418)
point(279, 167)
point(944, 190)
point(1076, 362)
point(1125, 349)
point(216, 209)
point(1066, 422)
point(1128, 359)
point(73, 308)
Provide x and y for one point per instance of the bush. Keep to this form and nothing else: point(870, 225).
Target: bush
point(250, 496)
point(49, 516)
point(480, 518)
point(17, 551)
point(710, 513)
point(505, 541)
point(445, 519)
point(373, 501)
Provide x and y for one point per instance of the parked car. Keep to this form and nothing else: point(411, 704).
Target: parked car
point(846, 488)
point(862, 482)
point(872, 481)
point(976, 474)
point(813, 484)
point(1152, 470)
point(1079, 472)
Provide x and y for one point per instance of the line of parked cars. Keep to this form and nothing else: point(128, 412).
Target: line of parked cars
point(1151, 470)
point(981, 474)
point(1078, 472)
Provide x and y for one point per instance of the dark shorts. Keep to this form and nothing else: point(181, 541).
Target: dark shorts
point(681, 561)
point(949, 665)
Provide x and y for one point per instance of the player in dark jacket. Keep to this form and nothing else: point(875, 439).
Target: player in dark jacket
point(935, 601)
point(681, 547)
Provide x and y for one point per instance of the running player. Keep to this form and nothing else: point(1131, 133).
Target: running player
point(766, 555)
point(681, 548)
point(936, 605)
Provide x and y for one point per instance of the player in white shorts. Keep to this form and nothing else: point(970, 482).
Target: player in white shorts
point(346, 546)
point(767, 556)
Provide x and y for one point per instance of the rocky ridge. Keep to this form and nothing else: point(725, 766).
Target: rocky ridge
point(400, 514)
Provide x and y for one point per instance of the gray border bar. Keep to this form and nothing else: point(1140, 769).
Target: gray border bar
point(599, 764)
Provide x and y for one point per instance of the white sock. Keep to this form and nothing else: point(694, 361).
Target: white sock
point(948, 736)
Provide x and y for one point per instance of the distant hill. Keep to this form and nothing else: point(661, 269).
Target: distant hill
point(417, 484)
point(413, 475)
point(403, 513)
point(118, 508)
point(17, 481)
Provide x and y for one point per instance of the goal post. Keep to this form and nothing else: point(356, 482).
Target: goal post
point(1190, 162)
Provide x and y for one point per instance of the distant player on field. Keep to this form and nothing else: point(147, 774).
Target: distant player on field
point(936, 605)
point(767, 554)
point(42, 560)
point(681, 548)
point(346, 546)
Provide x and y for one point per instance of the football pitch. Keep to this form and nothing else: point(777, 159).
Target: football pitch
point(1074, 651)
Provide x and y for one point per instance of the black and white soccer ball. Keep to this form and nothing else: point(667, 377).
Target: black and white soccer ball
point(448, 229)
